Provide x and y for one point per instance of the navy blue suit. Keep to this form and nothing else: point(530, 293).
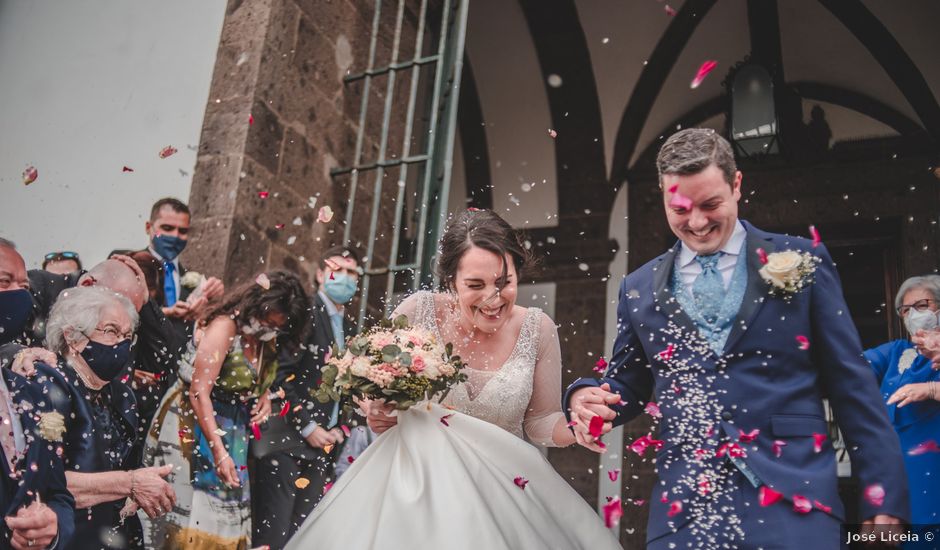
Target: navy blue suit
point(762, 381)
point(46, 479)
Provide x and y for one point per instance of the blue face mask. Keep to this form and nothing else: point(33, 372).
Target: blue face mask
point(168, 246)
point(107, 361)
point(341, 288)
point(15, 307)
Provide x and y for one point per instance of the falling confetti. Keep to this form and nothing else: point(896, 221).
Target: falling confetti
point(675, 508)
point(777, 447)
point(815, 234)
point(350, 459)
point(875, 494)
point(263, 281)
point(731, 449)
point(652, 409)
point(302, 482)
point(596, 428)
point(703, 71)
point(520, 482)
point(670, 11)
point(445, 418)
point(802, 504)
point(127, 169)
point(256, 431)
point(345, 429)
point(613, 511)
point(552, 133)
point(327, 487)
point(929, 446)
point(284, 408)
point(263, 194)
point(251, 119)
point(762, 256)
point(167, 151)
point(614, 475)
point(823, 507)
point(30, 175)
point(325, 214)
point(768, 496)
point(666, 354)
point(220, 432)
point(600, 366)
point(818, 440)
point(749, 436)
point(803, 342)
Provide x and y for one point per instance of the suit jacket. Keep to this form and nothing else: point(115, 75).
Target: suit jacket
point(762, 381)
point(299, 373)
point(48, 477)
point(45, 288)
point(85, 445)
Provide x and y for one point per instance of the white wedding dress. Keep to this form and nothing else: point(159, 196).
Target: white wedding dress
point(428, 483)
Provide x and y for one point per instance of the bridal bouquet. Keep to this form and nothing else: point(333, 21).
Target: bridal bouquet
point(391, 361)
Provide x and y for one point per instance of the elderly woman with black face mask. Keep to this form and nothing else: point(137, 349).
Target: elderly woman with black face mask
point(910, 384)
point(91, 329)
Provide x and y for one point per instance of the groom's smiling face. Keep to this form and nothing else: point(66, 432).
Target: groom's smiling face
point(702, 208)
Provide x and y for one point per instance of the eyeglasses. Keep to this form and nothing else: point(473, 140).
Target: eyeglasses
point(114, 334)
point(919, 305)
point(64, 255)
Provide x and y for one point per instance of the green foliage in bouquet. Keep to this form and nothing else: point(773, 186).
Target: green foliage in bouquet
point(392, 361)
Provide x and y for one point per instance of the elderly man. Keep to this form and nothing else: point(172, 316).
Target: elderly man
point(31, 470)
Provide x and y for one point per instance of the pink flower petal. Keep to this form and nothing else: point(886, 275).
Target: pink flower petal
point(652, 409)
point(552, 133)
point(614, 475)
point(675, 508)
point(521, 482)
point(279, 226)
point(613, 511)
point(350, 459)
point(674, 188)
point(256, 431)
point(762, 256)
point(664, 497)
point(703, 70)
point(284, 408)
point(263, 194)
point(639, 501)
point(251, 119)
point(263, 281)
point(802, 505)
point(818, 440)
point(327, 487)
point(572, 424)
point(875, 494)
point(731, 449)
point(679, 200)
point(345, 429)
point(325, 214)
point(445, 418)
point(127, 169)
point(823, 507)
point(30, 175)
point(778, 446)
point(167, 151)
point(596, 427)
point(749, 436)
point(929, 446)
point(670, 11)
point(767, 496)
point(639, 446)
point(600, 365)
point(803, 342)
point(667, 353)
point(815, 234)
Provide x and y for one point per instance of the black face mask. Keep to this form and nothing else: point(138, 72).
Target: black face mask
point(107, 361)
point(15, 307)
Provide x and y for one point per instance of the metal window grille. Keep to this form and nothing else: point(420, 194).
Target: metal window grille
point(395, 189)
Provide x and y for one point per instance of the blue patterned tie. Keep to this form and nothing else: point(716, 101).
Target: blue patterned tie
point(169, 287)
point(336, 320)
point(708, 289)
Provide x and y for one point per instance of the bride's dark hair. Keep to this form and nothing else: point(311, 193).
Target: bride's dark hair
point(482, 229)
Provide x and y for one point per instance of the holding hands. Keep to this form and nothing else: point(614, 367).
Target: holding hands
point(33, 526)
point(151, 492)
point(586, 403)
point(325, 439)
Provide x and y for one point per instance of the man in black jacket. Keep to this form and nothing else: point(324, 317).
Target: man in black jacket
point(303, 442)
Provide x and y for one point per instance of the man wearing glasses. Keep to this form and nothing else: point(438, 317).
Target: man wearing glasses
point(62, 263)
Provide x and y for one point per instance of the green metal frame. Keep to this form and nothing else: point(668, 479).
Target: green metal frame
point(441, 108)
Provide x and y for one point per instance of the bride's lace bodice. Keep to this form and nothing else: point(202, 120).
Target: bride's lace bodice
point(524, 394)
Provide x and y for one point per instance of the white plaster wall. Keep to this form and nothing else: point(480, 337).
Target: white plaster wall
point(89, 87)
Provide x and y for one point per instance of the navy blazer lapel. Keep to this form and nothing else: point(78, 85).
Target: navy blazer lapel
point(321, 323)
point(755, 295)
point(662, 291)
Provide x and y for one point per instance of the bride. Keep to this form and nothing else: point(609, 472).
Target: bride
point(464, 476)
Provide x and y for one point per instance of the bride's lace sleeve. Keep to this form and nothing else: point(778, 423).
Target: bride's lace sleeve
point(408, 307)
point(544, 411)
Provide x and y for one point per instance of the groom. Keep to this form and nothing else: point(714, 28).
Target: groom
point(738, 334)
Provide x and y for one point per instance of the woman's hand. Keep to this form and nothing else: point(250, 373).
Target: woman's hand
point(378, 416)
point(911, 393)
point(24, 363)
point(151, 492)
point(321, 438)
point(927, 343)
point(225, 469)
point(261, 410)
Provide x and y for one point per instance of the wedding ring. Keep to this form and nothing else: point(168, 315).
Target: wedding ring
point(29, 542)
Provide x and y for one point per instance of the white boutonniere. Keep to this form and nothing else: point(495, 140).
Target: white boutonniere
point(191, 279)
point(51, 426)
point(788, 272)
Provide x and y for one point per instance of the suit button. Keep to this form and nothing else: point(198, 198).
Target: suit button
point(726, 415)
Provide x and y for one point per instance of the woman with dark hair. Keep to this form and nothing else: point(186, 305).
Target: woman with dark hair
point(203, 422)
point(471, 476)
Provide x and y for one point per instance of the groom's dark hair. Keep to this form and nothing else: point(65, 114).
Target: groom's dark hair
point(483, 229)
point(694, 149)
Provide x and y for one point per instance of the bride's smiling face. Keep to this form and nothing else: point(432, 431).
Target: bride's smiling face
point(485, 293)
